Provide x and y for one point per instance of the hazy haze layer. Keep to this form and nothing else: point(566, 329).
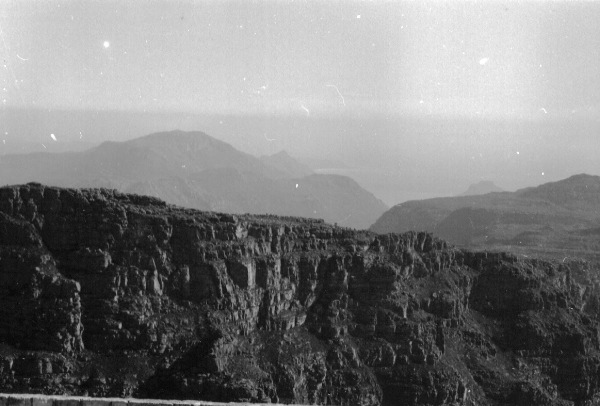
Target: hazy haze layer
point(412, 99)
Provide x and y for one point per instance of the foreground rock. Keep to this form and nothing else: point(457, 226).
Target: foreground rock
point(106, 294)
point(15, 399)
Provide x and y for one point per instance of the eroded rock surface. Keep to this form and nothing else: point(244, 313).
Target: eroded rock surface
point(108, 294)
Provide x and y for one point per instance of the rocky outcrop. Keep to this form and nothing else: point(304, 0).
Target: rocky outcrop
point(108, 294)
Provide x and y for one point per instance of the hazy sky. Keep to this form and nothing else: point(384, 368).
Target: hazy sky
point(508, 59)
point(414, 99)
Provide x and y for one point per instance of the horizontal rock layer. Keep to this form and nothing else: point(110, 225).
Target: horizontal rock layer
point(45, 400)
point(107, 294)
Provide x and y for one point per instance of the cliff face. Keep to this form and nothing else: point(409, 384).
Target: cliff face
point(108, 294)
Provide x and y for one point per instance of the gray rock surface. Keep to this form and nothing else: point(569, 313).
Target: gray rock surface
point(108, 294)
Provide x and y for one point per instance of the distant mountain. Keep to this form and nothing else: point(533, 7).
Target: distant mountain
point(159, 155)
point(577, 192)
point(195, 170)
point(286, 165)
point(481, 188)
point(555, 219)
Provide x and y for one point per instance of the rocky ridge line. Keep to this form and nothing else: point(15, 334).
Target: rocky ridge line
point(108, 294)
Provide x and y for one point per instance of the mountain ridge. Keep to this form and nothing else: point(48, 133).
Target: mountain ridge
point(163, 162)
point(572, 190)
point(284, 163)
point(481, 188)
point(553, 217)
point(110, 294)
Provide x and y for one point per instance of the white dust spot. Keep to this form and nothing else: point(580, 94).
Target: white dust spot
point(483, 61)
point(106, 44)
point(296, 186)
point(53, 137)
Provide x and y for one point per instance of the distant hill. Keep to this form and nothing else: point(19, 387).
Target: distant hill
point(481, 188)
point(286, 165)
point(196, 170)
point(555, 219)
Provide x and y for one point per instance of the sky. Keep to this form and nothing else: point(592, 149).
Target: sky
point(508, 59)
point(445, 81)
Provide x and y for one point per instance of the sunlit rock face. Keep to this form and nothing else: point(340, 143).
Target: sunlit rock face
point(108, 294)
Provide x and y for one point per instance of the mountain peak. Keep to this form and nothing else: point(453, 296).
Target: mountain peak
point(283, 153)
point(481, 188)
point(196, 170)
point(175, 136)
point(581, 177)
point(556, 219)
point(285, 164)
point(574, 190)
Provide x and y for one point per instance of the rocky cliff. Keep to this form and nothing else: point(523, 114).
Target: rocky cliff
point(108, 294)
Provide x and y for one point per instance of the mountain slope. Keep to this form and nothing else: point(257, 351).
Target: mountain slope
point(175, 153)
point(109, 294)
point(195, 170)
point(286, 165)
point(337, 199)
point(481, 188)
point(577, 192)
point(552, 219)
